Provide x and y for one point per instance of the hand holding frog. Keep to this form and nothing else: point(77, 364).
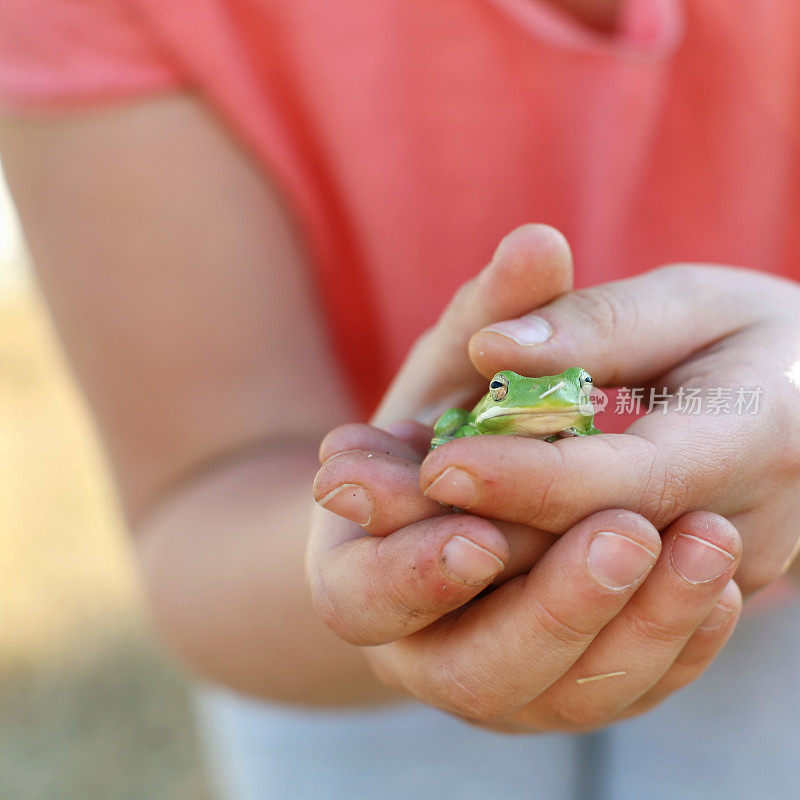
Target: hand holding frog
point(703, 328)
point(573, 642)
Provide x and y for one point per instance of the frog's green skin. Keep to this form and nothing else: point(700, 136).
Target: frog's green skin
point(542, 408)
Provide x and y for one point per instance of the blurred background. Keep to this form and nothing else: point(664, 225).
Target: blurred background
point(89, 706)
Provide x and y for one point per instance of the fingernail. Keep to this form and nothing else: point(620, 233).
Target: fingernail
point(698, 561)
point(454, 487)
point(526, 331)
point(469, 562)
point(717, 618)
point(350, 501)
point(617, 561)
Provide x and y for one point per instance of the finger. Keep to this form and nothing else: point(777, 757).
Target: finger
point(625, 332)
point(681, 462)
point(531, 266)
point(700, 554)
point(414, 434)
point(378, 491)
point(374, 590)
point(545, 485)
point(526, 546)
point(381, 494)
point(686, 462)
point(355, 436)
point(765, 556)
point(532, 262)
point(698, 653)
point(508, 647)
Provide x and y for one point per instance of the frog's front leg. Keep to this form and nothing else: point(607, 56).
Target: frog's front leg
point(453, 424)
point(588, 429)
point(584, 430)
point(567, 433)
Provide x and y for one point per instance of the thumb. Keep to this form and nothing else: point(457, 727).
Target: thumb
point(531, 267)
point(625, 332)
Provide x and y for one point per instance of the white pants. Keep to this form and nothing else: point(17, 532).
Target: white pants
point(733, 735)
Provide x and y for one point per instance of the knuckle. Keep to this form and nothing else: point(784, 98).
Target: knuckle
point(547, 505)
point(549, 625)
point(396, 599)
point(787, 456)
point(689, 663)
point(407, 587)
point(464, 692)
point(611, 312)
point(374, 605)
point(666, 492)
point(679, 271)
point(576, 714)
point(581, 720)
point(759, 573)
point(479, 709)
point(785, 450)
point(330, 608)
point(542, 501)
point(384, 670)
point(653, 630)
point(693, 279)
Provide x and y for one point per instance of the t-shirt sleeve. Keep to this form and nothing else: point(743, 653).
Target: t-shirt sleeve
point(58, 54)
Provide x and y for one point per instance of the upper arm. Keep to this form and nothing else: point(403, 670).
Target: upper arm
point(178, 284)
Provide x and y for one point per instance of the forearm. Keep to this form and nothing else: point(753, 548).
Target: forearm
point(222, 561)
point(185, 302)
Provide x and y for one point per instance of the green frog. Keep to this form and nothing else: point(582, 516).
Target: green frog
point(549, 408)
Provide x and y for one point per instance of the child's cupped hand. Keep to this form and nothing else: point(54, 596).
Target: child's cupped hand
point(592, 615)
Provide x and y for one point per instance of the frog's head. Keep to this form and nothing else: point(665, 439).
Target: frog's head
point(534, 406)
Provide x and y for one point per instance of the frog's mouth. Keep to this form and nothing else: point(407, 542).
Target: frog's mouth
point(531, 421)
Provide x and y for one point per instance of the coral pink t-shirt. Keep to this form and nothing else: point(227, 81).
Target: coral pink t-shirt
point(409, 136)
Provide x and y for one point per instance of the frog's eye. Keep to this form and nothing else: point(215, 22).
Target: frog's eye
point(586, 383)
point(498, 387)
